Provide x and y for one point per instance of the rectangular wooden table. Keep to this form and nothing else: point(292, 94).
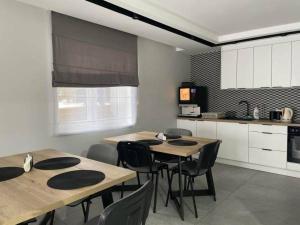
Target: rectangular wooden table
point(180, 151)
point(28, 195)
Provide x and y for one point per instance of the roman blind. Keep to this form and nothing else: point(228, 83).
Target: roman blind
point(90, 55)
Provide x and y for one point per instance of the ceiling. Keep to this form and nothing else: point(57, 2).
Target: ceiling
point(214, 20)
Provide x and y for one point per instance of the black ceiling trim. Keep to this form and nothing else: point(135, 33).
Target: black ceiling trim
point(152, 22)
point(147, 20)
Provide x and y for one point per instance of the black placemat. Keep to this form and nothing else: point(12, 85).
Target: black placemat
point(75, 179)
point(172, 136)
point(151, 141)
point(7, 173)
point(182, 142)
point(57, 163)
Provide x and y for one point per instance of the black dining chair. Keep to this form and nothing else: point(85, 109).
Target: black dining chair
point(98, 152)
point(167, 158)
point(199, 167)
point(130, 210)
point(137, 156)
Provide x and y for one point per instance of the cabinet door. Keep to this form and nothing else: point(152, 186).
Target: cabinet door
point(228, 69)
point(234, 138)
point(295, 64)
point(262, 66)
point(207, 129)
point(281, 64)
point(187, 124)
point(245, 68)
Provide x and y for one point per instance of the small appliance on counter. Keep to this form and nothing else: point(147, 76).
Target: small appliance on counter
point(275, 115)
point(284, 115)
point(287, 114)
point(192, 100)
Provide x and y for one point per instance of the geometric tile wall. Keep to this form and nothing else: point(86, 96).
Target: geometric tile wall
point(206, 71)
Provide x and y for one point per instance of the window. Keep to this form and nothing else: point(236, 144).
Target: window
point(79, 110)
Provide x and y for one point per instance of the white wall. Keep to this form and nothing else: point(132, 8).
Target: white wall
point(25, 81)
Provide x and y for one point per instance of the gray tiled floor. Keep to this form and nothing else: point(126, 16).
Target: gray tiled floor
point(244, 197)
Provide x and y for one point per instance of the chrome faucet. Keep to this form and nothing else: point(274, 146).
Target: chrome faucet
point(247, 104)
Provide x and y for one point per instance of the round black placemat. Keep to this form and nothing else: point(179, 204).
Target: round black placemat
point(75, 179)
point(57, 163)
point(172, 136)
point(7, 173)
point(151, 141)
point(182, 142)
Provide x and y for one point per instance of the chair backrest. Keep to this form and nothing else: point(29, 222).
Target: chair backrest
point(208, 155)
point(134, 154)
point(178, 131)
point(103, 153)
point(130, 210)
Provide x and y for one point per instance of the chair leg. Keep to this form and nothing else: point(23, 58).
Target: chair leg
point(162, 174)
point(193, 195)
point(155, 192)
point(122, 189)
point(86, 210)
point(185, 183)
point(169, 185)
point(138, 178)
point(170, 189)
point(52, 217)
point(210, 184)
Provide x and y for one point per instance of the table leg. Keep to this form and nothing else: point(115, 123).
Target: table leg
point(181, 210)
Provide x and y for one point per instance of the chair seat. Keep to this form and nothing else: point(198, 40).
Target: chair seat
point(189, 168)
point(156, 166)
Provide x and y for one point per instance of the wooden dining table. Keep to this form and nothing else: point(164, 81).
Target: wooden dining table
point(28, 196)
point(181, 151)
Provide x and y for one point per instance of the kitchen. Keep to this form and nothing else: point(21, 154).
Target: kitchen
point(174, 108)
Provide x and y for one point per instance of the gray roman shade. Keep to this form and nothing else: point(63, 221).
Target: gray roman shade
point(89, 55)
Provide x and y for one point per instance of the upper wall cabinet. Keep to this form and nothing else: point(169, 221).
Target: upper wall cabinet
point(262, 66)
point(228, 69)
point(295, 63)
point(281, 64)
point(265, 63)
point(245, 68)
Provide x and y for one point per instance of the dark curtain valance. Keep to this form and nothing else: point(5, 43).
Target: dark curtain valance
point(89, 55)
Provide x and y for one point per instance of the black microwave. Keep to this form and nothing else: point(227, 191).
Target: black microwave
point(193, 95)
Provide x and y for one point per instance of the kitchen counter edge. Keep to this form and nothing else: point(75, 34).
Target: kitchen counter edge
point(262, 122)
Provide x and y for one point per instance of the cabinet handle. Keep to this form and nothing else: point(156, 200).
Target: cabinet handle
point(266, 149)
point(266, 133)
point(242, 123)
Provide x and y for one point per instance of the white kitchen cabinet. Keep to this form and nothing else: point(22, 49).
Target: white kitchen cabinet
point(295, 64)
point(244, 77)
point(187, 124)
point(262, 66)
point(266, 140)
point(275, 129)
point(228, 69)
point(281, 64)
point(267, 157)
point(207, 129)
point(234, 138)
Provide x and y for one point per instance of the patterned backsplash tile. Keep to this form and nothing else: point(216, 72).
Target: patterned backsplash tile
point(206, 71)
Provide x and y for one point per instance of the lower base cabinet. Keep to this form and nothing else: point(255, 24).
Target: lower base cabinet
point(267, 157)
point(234, 138)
